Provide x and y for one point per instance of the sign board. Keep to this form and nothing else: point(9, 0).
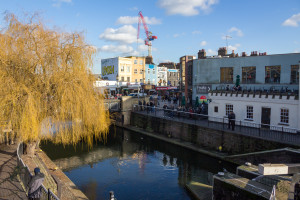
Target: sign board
point(161, 88)
point(166, 88)
point(151, 66)
point(109, 68)
point(203, 89)
point(105, 83)
point(134, 85)
point(172, 70)
point(148, 87)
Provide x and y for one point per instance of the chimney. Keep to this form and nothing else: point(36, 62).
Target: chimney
point(232, 55)
point(201, 54)
point(149, 60)
point(222, 51)
point(253, 53)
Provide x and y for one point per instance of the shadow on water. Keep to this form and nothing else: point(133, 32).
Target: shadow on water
point(134, 166)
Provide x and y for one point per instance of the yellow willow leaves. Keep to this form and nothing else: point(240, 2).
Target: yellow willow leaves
point(46, 86)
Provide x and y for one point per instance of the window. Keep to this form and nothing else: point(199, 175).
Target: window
point(249, 112)
point(229, 108)
point(122, 68)
point(122, 78)
point(272, 74)
point(216, 109)
point(141, 80)
point(294, 74)
point(128, 68)
point(284, 115)
point(135, 61)
point(135, 71)
point(226, 74)
point(141, 62)
point(149, 81)
point(136, 80)
point(153, 71)
point(148, 71)
point(128, 79)
point(141, 71)
point(248, 74)
point(174, 83)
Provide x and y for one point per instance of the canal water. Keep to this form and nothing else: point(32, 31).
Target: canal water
point(134, 167)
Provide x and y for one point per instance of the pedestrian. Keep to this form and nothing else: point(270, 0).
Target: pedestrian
point(227, 88)
point(231, 120)
point(35, 185)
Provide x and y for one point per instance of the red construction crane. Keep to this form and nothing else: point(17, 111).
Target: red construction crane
point(149, 35)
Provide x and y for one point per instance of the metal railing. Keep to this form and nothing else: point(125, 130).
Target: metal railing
point(263, 131)
point(25, 176)
point(112, 106)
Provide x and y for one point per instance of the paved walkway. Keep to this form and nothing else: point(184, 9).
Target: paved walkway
point(10, 187)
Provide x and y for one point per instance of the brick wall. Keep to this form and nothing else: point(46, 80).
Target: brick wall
point(203, 137)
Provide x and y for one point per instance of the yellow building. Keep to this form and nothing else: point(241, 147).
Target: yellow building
point(138, 69)
point(124, 69)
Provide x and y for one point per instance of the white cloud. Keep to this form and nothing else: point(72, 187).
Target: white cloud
point(292, 21)
point(235, 47)
point(57, 3)
point(133, 8)
point(186, 7)
point(196, 32)
point(126, 34)
point(296, 51)
point(134, 20)
point(143, 48)
point(203, 43)
point(211, 52)
point(122, 49)
point(238, 32)
point(178, 35)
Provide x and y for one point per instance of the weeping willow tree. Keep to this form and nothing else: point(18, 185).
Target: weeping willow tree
point(46, 87)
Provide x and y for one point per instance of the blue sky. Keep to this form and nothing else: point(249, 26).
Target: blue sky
point(182, 26)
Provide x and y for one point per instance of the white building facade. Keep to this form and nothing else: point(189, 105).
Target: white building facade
point(117, 69)
point(162, 77)
point(276, 111)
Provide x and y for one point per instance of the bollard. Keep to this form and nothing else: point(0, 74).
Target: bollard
point(111, 195)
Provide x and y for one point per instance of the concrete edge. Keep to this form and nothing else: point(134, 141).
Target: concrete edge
point(59, 176)
point(169, 140)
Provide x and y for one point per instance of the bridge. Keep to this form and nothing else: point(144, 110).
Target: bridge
point(113, 105)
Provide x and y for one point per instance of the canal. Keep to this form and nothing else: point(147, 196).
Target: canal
point(134, 167)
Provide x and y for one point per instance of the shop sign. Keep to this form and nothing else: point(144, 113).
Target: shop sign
point(105, 83)
point(161, 88)
point(166, 88)
point(203, 89)
point(148, 87)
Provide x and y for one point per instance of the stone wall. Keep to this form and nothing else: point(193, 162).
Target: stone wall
point(201, 136)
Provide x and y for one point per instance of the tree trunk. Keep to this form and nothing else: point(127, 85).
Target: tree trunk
point(30, 148)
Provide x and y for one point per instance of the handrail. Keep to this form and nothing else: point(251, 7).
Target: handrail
point(50, 195)
point(238, 122)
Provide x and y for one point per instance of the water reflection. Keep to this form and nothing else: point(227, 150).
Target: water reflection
point(134, 167)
